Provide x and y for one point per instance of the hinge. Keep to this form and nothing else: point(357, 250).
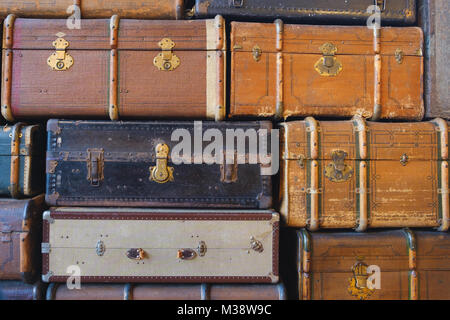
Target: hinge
point(45, 247)
point(166, 60)
point(95, 165)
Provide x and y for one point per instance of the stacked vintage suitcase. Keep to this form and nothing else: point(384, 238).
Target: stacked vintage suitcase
point(145, 193)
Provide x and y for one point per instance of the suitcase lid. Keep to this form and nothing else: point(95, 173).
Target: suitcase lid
point(308, 39)
point(363, 140)
point(30, 139)
point(20, 215)
point(341, 252)
point(115, 33)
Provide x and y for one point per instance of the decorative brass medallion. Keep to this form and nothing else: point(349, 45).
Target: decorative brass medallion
point(60, 60)
point(166, 60)
point(338, 171)
point(358, 283)
point(328, 65)
point(161, 173)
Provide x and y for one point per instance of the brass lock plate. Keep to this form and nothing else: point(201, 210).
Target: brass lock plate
point(60, 60)
point(338, 170)
point(257, 52)
point(161, 173)
point(328, 65)
point(136, 254)
point(166, 60)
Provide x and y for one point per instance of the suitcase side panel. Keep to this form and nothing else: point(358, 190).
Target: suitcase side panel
point(16, 290)
point(165, 292)
point(199, 269)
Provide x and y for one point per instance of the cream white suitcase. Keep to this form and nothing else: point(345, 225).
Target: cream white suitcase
point(156, 245)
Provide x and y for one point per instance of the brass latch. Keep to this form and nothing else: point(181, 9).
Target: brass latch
point(166, 60)
point(60, 60)
point(100, 248)
point(190, 254)
point(95, 165)
point(338, 171)
point(328, 65)
point(161, 173)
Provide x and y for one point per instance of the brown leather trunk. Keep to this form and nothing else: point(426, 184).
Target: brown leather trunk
point(358, 174)
point(168, 292)
point(20, 230)
point(329, 71)
point(401, 264)
point(114, 69)
point(434, 18)
point(136, 9)
point(17, 290)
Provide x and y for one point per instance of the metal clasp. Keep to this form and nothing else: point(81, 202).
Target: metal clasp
point(256, 245)
point(136, 254)
point(166, 60)
point(404, 159)
point(95, 165)
point(337, 170)
point(237, 3)
point(60, 60)
point(161, 173)
point(399, 56)
point(328, 65)
point(381, 4)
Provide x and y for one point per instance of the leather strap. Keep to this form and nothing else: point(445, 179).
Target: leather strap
point(304, 265)
point(279, 84)
point(16, 134)
point(413, 278)
point(313, 189)
point(362, 173)
point(377, 74)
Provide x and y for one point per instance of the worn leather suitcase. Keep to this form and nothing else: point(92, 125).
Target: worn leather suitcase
point(151, 245)
point(136, 9)
point(93, 291)
point(434, 17)
point(114, 69)
point(131, 164)
point(392, 265)
point(17, 290)
point(328, 71)
point(22, 157)
point(20, 230)
point(357, 174)
point(393, 12)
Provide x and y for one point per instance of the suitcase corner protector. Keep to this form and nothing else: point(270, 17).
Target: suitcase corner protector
point(47, 217)
point(46, 277)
